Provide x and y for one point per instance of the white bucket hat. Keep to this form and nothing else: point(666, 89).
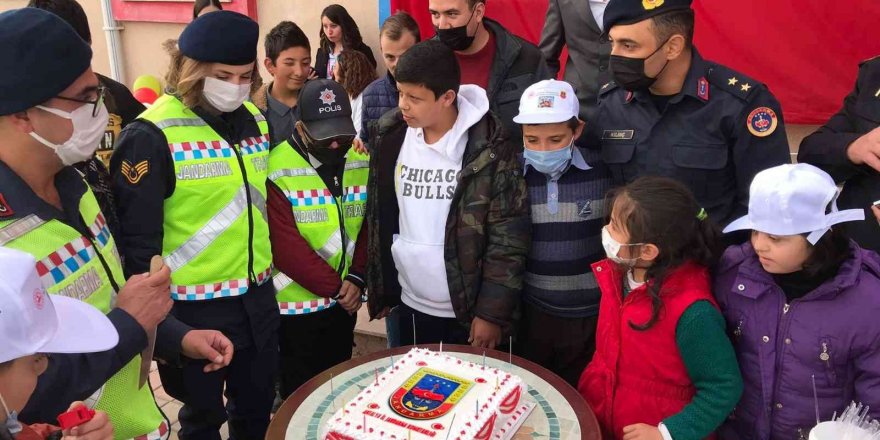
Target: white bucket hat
point(547, 102)
point(792, 200)
point(32, 321)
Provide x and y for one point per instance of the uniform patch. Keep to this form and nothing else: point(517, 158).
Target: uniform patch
point(585, 208)
point(5, 209)
point(652, 4)
point(618, 134)
point(762, 121)
point(703, 89)
point(134, 173)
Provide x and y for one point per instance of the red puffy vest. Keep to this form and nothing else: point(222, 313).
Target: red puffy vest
point(639, 376)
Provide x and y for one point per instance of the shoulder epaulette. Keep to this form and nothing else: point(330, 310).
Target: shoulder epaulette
point(733, 82)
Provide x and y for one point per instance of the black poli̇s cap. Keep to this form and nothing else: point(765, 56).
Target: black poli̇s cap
point(325, 110)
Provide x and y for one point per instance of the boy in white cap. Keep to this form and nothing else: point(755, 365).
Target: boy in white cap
point(801, 302)
point(567, 186)
point(33, 324)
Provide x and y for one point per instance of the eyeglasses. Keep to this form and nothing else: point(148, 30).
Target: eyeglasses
point(97, 103)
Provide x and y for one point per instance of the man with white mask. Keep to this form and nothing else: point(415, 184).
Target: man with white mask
point(190, 182)
point(51, 116)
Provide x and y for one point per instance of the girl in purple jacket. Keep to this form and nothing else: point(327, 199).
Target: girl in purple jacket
point(802, 304)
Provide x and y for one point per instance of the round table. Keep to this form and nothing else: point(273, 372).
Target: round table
point(560, 412)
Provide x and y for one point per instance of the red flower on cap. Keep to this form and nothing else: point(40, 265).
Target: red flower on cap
point(39, 298)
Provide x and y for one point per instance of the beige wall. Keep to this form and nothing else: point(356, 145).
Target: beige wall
point(142, 42)
point(100, 60)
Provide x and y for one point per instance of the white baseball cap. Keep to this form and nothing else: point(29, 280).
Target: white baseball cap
point(792, 200)
point(32, 321)
point(547, 102)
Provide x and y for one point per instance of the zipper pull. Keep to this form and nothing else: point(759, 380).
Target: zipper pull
point(824, 356)
point(785, 308)
point(336, 181)
point(738, 332)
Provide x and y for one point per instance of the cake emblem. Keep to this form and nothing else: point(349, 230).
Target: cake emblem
point(428, 394)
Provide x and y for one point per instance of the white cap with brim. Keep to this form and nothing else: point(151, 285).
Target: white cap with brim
point(32, 321)
point(547, 102)
point(793, 200)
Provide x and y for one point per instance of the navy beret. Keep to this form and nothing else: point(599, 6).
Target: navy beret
point(43, 56)
point(633, 11)
point(221, 37)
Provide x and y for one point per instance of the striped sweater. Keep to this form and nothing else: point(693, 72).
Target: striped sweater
point(567, 219)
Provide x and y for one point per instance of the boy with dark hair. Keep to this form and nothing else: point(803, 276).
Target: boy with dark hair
point(448, 213)
point(289, 61)
point(567, 186)
point(399, 32)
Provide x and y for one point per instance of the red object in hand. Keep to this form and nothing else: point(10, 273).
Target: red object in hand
point(75, 417)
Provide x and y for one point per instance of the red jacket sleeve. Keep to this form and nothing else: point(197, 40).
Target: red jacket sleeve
point(291, 253)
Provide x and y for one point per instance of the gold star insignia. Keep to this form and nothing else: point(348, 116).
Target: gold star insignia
point(745, 87)
point(732, 81)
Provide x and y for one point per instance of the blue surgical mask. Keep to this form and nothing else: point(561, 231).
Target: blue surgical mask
point(551, 163)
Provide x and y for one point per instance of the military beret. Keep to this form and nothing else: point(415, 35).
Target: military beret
point(221, 37)
point(633, 11)
point(42, 56)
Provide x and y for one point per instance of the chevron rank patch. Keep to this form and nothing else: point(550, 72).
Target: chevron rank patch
point(134, 173)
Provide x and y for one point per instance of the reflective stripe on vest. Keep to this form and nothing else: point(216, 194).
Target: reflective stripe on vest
point(329, 225)
point(69, 265)
point(208, 218)
point(216, 226)
point(298, 308)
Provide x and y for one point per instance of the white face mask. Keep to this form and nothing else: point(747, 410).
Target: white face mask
point(87, 133)
point(225, 96)
point(612, 248)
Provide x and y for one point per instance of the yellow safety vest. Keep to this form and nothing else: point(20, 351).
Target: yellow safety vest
point(86, 268)
point(216, 237)
point(330, 225)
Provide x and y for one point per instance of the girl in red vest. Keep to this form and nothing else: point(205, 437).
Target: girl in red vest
point(664, 367)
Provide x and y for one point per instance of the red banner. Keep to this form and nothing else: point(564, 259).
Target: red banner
point(807, 52)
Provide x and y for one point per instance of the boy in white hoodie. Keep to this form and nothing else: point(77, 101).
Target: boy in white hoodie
point(447, 213)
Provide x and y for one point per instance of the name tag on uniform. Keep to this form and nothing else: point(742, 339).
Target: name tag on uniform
point(618, 134)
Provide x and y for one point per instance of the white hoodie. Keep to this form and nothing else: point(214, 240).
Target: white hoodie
point(425, 180)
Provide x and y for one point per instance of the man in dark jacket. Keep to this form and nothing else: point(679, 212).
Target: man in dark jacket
point(848, 148)
point(399, 32)
point(448, 213)
point(489, 55)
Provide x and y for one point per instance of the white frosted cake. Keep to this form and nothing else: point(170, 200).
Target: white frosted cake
point(430, 395)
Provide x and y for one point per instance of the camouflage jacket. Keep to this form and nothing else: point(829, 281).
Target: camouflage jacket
point(487, 231)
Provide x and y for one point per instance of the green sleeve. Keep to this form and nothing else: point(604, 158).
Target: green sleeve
point(711, 364)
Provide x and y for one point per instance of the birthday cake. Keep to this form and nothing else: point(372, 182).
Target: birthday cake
point(430, 395)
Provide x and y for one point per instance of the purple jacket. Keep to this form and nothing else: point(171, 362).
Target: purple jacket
point(833, 333)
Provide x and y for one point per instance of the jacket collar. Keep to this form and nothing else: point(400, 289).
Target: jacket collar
point(507, 51)
point(696, 84)
point(487, 132)
point(22, 200)
point(688, 275)
point(752, 281)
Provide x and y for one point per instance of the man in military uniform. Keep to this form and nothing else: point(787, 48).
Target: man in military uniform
point(669, 112)
point(51, 117)
point(848, 148)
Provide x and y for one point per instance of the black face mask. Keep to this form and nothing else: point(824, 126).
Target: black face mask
point(457, 38)
point(629, 73)
point(320, 148)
